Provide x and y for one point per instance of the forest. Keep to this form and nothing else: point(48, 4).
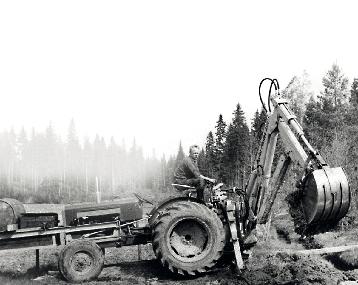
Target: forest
point(42, 168)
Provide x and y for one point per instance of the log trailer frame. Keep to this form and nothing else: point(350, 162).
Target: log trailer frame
point(83, 231)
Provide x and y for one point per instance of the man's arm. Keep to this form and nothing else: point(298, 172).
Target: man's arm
point(195, 170)
point(212, 180)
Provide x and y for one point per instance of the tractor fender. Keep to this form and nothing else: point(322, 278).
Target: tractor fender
point(166, 202)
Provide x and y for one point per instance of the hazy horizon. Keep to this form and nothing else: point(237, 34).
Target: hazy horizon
point(160, 71)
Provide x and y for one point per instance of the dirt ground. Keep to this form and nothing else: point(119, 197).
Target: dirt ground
point(271, 262)
point(274, 260)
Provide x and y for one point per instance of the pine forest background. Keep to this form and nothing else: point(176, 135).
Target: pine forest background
point(42, 168)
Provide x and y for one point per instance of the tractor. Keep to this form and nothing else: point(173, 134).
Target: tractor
point(189, 235)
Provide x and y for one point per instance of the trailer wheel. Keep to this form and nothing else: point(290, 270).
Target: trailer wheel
point(188, 238)
point(81, 260)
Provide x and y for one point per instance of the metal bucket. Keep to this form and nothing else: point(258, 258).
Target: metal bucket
point(326, 196)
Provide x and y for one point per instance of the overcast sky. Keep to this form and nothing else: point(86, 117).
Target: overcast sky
point(160, 71)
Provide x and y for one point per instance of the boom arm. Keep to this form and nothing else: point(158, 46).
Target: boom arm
point(288, 127)
point(262, 188)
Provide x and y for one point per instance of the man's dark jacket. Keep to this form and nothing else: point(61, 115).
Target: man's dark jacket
point(187, 169)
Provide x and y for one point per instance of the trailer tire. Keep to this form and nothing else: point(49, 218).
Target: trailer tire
point(188, 238)
point(81, 260)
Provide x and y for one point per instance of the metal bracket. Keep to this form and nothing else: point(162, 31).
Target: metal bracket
point(231, 217)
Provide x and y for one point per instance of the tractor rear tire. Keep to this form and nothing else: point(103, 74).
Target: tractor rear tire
point(188, 238)
point(81, 260)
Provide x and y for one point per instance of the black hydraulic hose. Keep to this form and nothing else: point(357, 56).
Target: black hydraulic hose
point(275, 84)
point(269, 96)
point(262, 102)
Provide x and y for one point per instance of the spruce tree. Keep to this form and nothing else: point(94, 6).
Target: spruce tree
point(99, 153)
point(325, 119)
point(208, 158)
point(220, 140)
point(334, 103)
point(163, 170)
point(169, 174)
point(22, 147)
point(52, 153)
point(354, 92)
point(311, 121)
point(180, 155)
point(352, 125)
point(203, 164)
point(229, 157)
point(73, 151)
point(335, 86)
point(111, 164)
point(237, 149)
point(87, 162)
point(256, 132)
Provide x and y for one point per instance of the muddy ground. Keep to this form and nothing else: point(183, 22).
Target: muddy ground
point(272, 262)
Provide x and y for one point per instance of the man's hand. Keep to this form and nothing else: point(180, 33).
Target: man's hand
point(211, 180)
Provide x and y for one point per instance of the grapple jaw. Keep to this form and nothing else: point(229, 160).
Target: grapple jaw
point(326, 196)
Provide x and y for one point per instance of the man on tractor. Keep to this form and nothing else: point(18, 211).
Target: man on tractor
point(188, 174)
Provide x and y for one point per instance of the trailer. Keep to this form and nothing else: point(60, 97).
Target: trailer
point(82, 230)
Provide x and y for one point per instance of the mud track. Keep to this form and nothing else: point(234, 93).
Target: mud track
point(273, 261)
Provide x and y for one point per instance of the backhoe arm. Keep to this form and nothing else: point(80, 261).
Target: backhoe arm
point(326, 194)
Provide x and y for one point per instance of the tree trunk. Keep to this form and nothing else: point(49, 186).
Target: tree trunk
point(86, 181)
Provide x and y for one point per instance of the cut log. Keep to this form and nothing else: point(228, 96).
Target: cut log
point(319, 251)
